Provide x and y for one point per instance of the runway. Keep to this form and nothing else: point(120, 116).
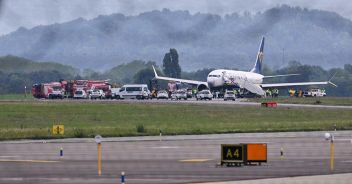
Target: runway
point(238, 102)
point(174, 159)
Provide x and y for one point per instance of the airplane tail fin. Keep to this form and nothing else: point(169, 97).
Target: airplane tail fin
point(260, 56)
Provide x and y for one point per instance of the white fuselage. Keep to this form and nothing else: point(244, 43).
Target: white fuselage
point(222, 77)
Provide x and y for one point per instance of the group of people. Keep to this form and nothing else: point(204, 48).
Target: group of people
point(297, 93)
point(272, 92)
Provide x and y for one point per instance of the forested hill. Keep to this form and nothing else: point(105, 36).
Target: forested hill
point(311, 37)
point(13, 64)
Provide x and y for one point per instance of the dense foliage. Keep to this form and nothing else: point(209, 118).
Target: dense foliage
point(171, 66)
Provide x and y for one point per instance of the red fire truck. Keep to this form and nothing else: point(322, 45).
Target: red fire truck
point(48, 90)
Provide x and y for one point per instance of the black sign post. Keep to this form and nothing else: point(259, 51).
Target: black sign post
point(232, 154)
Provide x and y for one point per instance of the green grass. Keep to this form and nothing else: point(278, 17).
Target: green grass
point(345, 101)
point(34, 120)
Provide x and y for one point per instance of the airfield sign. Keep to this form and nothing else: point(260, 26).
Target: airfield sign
point(58, 129)
point(232, 153)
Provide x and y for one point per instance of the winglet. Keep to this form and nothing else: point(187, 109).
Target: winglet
point(155, 74)
point(331, 79)
point(332, 84)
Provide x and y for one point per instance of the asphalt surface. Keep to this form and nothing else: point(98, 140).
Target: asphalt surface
point(178, 159)
point(238, 102)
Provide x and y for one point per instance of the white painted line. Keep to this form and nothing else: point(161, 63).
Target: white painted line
point(8, 156)
point(29, 161)
point(11, 179)
point(195, 160)
point(166, 147)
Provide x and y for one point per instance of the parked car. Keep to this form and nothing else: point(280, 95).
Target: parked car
point(178, 95)
point(314, 92)
point(229, 95)
point(97, 93)
point(80, 94)
point(162, 94)
point(204, 95)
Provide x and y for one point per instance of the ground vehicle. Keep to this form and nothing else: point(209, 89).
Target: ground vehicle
point(162, 94)
point(203, 95)
point(80, 93)
point(106, 89)
point(133, 91)
point(229, 95)
point(189, 93)
point(178, 95)
point(114, 91)
point(314, 92)
point(97, 93)
point(48, 90)
point(87, 85)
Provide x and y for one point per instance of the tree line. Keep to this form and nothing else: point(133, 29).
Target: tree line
point(138, 71)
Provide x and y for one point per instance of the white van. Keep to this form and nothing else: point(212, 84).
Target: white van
point(133, 91)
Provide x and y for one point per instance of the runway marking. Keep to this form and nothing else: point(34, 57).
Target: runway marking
point(195, 160)
point(8, 156)
point(29, 161)
point(166, 147)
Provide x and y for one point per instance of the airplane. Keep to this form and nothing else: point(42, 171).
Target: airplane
point(251, 81)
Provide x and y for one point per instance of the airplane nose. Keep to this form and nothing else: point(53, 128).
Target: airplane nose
point(211, 82)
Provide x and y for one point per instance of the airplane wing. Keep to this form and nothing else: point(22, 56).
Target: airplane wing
point(179, 80)
point(285, 75)
point(296, 84)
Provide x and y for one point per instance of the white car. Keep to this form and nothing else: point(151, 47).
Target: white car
point(80, 94)
point(204, 95)
point(97, 93)
point(314, 92)
point(179, 94)
point(162, 95)
point(229, 95)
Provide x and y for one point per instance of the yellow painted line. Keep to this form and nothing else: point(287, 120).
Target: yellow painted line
point(195, 160)
point(29, 161)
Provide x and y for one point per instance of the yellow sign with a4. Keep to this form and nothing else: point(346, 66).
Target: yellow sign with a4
point(232, 153)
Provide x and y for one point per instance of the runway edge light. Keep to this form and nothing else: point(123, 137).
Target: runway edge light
point(98, 140)
point(122, 177)
point(61, 153)
point(330, 137)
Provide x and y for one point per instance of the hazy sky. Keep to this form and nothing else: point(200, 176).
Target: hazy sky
point(30, 13)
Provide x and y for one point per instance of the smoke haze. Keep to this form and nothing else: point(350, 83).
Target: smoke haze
point(28, 14)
